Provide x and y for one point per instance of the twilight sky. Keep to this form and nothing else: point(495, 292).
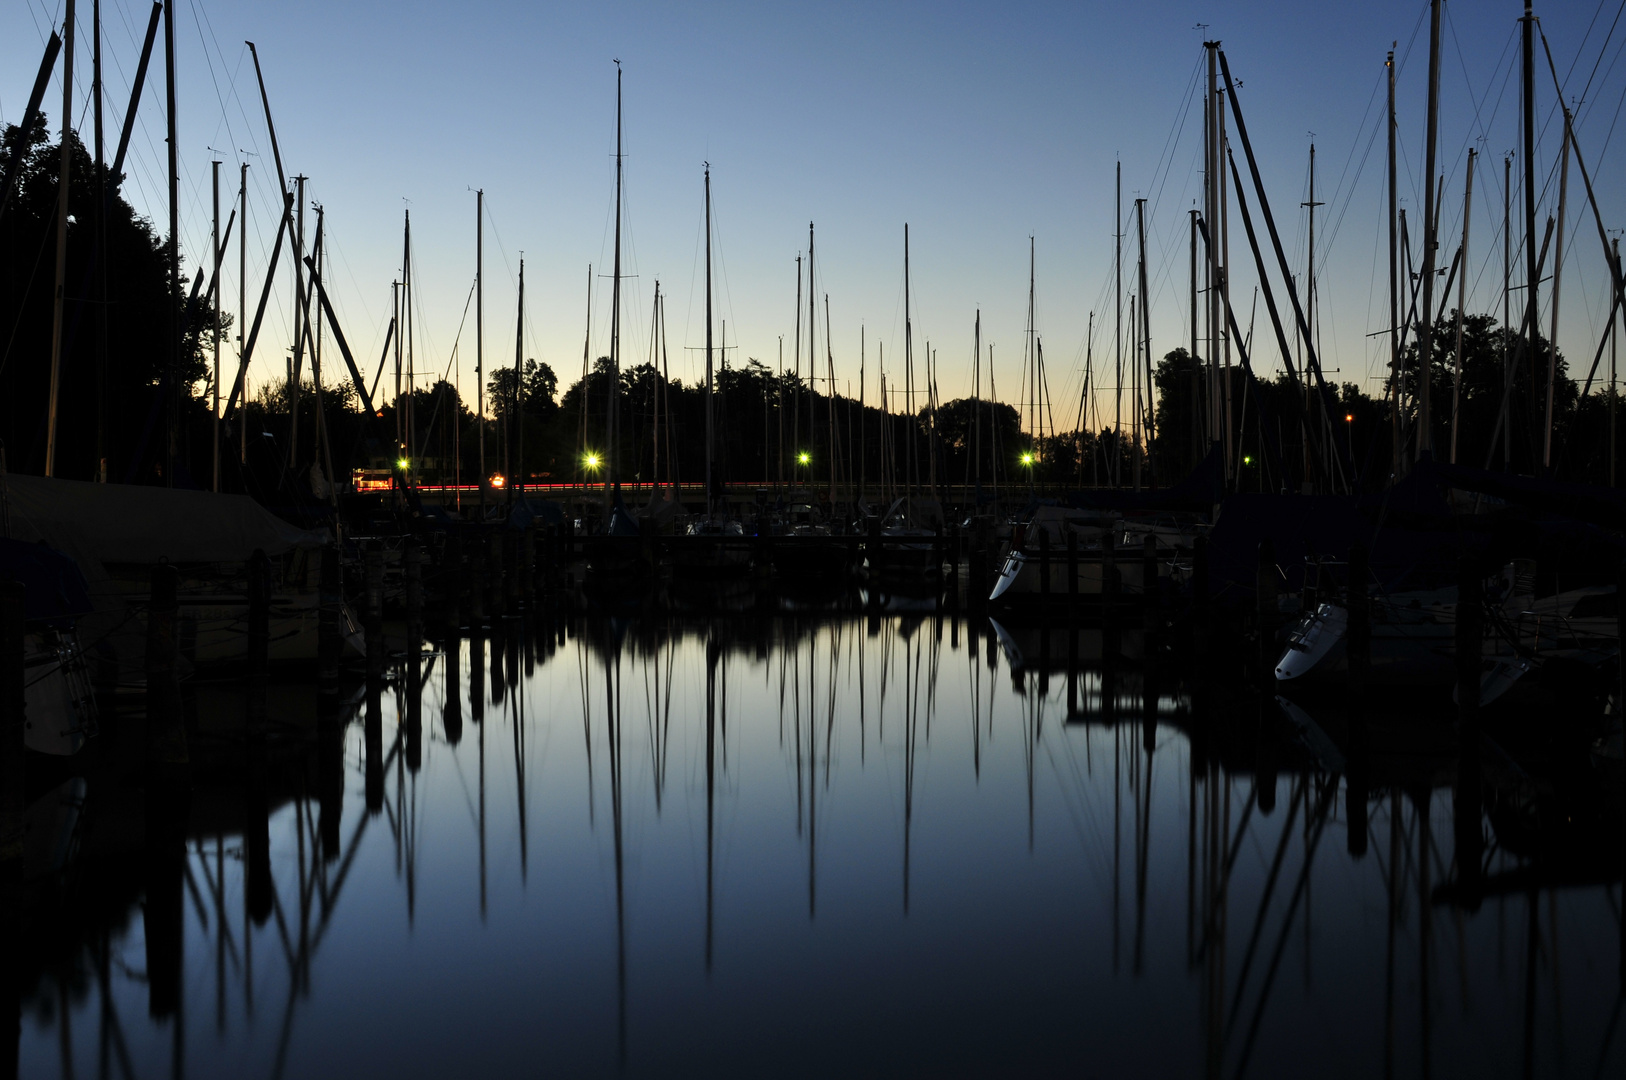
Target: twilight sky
point(980, 125)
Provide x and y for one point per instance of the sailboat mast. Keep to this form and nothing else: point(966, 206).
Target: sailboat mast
point(862, 463)
point(1532, 274)
point(1558, 277)
point(1030, 370)
point(612, 444)
point(796, 394)
point(709, 434)
point(1431, 243)
point(779, 404)
point(976, 401)
point(1118, 328)
point(516, 415)
point(62, 236)
point(1310, 341)
point(655, 396)
point(479, 339)
point(1462, 303)
point(830, 396)
point(1398, 449)
point(296, 359)
point(1146, 335)
point(101, 263)
point(1507, 309)
point(812, 352)
point(174, 253)
point(214, 176)
point(242, 309)
point(666, 399)
point(587, 350)
point(1196, 384)
point(908, 372)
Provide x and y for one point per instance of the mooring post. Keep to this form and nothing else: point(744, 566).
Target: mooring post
point(1620, 703)
point(373, 748)
point(1266, 590)
point(550, 558)
point(1044, 567)
point(329, 635)
point(527, 564)
point(1072, 577)
point(1470, 639)
point(451, 713)
point(166, 734)
point(1358, 638)
point(496, 574)
point(259, 641)
point(476, 576)
point(1148, 580)
point(1109, 565)
point(13, 821)
point(412, 574)
point(13, 738)
point(977, 566)
point(1109, 597)
point(873, 545)
point(1467, 801)
point(375, 609)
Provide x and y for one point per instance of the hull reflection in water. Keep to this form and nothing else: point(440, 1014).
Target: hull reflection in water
point(908, 844)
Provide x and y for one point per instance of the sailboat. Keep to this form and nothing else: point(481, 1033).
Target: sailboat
point(616, 558)
point(807, 551)
point(911, 526)
point(713, 543)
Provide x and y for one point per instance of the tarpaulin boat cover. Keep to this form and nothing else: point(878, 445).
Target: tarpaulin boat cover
point(99, 525)
point(53, 587)
point(125, 523)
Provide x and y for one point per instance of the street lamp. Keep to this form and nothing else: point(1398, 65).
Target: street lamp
point(804, 458)
point(591, 460)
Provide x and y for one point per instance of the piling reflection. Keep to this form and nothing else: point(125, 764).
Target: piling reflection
point(954, 843)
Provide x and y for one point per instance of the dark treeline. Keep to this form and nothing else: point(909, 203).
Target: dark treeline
point(1269, 420)
point(115, 359)
point(117, 401)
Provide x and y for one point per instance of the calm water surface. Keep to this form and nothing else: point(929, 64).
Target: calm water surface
point(810, 848)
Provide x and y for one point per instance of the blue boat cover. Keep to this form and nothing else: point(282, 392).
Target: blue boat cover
point(53, 588)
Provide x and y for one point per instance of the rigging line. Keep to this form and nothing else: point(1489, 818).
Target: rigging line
point(1583, 106)
point(1601, 50)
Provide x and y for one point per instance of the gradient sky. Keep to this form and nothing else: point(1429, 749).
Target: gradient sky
point(978, 124)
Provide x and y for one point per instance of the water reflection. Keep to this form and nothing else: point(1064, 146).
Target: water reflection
point(909, 843)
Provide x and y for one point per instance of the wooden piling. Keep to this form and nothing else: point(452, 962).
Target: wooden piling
point(1469, 641)
point(329, 631)
point(1358, 638)
point(474, 576)
point(1072, 578)
point(1149, 582)
point(412, 558)
point(258, 666)
point(1267, 615)
point(1110, 644)
point(550, 560)
point(1044, 567)
point(527, 565)
point(166, 734)
point(13, 733)
point(374, 564)
point(496, 574)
